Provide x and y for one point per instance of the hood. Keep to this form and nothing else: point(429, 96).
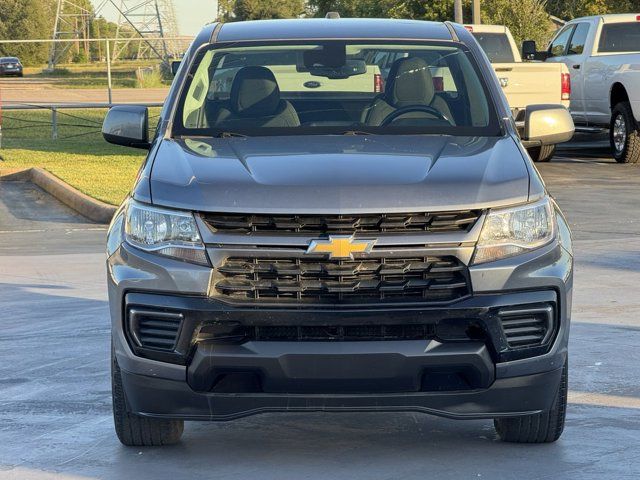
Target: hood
point(335, 174)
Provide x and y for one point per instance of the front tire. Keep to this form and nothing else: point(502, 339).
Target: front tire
point(134, 430)
point(545, 427)
point(543, 153)
point(624, 134)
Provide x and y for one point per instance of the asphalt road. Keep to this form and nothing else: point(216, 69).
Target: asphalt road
point(54, 366)
point(16, 91)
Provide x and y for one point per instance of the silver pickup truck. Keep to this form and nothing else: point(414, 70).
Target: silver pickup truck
point(301, 250)
point(603, 56)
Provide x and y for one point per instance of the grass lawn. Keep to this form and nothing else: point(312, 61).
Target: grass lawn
point(80, 156)
point(94, 75)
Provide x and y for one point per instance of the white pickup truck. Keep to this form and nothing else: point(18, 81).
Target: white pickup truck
point(524, 83)
point(603, 56)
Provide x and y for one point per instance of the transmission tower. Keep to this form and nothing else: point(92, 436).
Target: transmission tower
point(73, 21)
point(153, 21)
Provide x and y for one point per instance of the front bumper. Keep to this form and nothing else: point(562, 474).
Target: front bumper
point(473, 377)
point(507, 397)
point(443, 376)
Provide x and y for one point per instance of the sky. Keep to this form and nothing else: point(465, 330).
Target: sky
point(192, 14)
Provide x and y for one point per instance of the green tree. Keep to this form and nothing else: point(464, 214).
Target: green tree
point(236, 10)
point(414, 9)
point(569, 9)
point(527, 19)
point(24, 20)
point(439, 10)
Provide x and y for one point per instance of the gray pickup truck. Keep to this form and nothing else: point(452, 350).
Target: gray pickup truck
point(303, 249)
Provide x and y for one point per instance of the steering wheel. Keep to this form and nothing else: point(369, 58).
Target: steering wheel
point(413, 108)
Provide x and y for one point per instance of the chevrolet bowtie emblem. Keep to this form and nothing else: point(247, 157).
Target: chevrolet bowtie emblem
point(341, 246)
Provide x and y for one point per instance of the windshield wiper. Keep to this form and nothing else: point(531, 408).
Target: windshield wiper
point(231, 135)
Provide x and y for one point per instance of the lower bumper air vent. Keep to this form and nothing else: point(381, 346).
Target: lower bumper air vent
point(154, 329)
point(528, 326)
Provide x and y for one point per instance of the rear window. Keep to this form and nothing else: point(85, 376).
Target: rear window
point(620, 37)
point(496, 46)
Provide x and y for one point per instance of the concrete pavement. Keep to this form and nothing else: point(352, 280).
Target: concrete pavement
point(54, 371)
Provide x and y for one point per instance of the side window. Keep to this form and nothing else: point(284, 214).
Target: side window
point(559, 45)
point(578, 39)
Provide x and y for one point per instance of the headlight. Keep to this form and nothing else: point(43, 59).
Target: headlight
point(515, 230)
point(165, 232)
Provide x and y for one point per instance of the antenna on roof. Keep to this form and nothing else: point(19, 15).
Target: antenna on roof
point(332, 15)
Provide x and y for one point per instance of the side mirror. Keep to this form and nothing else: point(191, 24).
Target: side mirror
point(529, 49)
point(127, 125)
point(547, 125)
point(175, 66)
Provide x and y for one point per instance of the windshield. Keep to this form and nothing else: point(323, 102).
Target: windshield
point(496, 46)
point(334, 87)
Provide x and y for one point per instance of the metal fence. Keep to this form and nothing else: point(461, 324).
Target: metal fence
point(27, 113)
point(59, 122)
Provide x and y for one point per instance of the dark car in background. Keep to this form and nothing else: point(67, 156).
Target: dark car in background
point(11, 66)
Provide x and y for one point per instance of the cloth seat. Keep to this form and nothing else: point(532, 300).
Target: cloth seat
point(254, 102)
point(409, 83)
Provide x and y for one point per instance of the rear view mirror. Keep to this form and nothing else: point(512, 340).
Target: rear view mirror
point(127, 125)
point(330, 61)
point(175, 66)
point(328, 56)
point(547, 125)
point(349, 69)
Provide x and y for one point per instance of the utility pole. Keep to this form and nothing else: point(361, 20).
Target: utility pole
point(148, 22)
point(73, 21)
point(476, 12)
point(457, 11)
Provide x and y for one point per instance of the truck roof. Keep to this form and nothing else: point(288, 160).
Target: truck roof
point(612, 18)
point(320, 28)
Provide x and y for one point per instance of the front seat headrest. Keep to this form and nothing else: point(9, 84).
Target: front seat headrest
point(255, 92)
point(409, 83)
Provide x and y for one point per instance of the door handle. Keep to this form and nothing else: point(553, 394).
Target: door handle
point(576, 67)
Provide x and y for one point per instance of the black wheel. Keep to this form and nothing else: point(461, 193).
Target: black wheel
point(544, 427)
point(624, 134)
point(543, 153)
point(134, 430)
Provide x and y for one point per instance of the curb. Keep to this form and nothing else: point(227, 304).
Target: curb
point(86, 206)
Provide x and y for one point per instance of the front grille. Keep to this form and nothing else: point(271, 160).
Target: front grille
point(311, 333)
point(363, 279)
point(317, 225)
point(527, 326)
point(153, 329)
